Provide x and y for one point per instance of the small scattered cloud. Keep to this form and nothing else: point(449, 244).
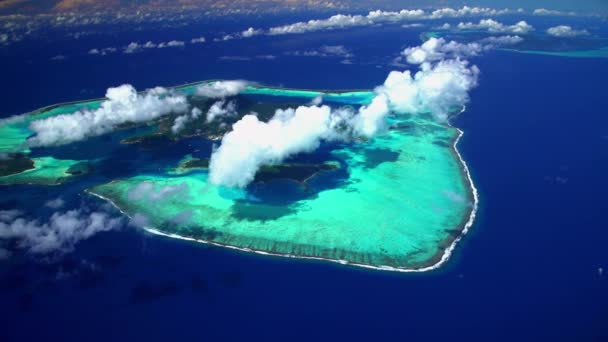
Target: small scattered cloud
point(544, 11)
point(181, 121)
point(103, 51)
point(221, 89)
point(172, 43)
point(226, 37)
point(59, 234)
point(198, 40)
point(494, 26)
point(55, 203)
point(247, 58)
point(221, 109)
point(413, 25)
point(324, 51)
point(564, 31)
point(438, 48)
point(134, 47)
point(250, 32)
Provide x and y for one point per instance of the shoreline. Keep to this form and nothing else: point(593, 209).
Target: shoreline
point(445, 254)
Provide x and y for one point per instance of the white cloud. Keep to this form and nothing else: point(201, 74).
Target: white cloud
point(226, 37)
point(436, 88)
point(250, 32)
point(60, 234)
point(445, 26)
point(253, 143)
point(494, 26)
point(544, 11)
point(102, 52)
point(564, 31)
point(334, 22)
point(323, 51)
point(123, 104)
point(372, 117)
point(181, 121)
point(467, 11)
point(414, 25)
point(198, 40)
point(55, 203)
point(134, 47)
point(221, 89)
point(9, 215)
point(317, 100)
point(247, 58)
point(172, 43)
point(58, 58)
point(221, 108)
point(491, 42)
point(435, 49)
point(341, 21)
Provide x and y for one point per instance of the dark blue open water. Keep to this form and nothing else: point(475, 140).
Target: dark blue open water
point(536, 141)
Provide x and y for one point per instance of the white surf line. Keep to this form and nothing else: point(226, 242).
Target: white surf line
point(444, 258)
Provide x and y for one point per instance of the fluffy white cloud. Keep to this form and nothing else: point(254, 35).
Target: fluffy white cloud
point(494, 26)
point(565, 31)
point(435, 49)
point(371, 118)
point(221, 108)
point(60, 234)
point(123, 104)
point(334, 22)
point(221, 89)
point(340, 21)
point(435, 88)
point(253, 143)
point(181, 121)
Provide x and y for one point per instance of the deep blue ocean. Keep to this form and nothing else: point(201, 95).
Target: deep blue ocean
point(536, 141)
